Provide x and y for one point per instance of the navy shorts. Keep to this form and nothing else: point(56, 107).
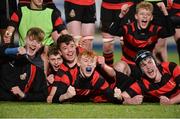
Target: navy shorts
point(82, 13)
point(109, 16)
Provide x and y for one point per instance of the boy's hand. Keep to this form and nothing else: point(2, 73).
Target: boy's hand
point(117, 93)
point(49, 99)
point(101, 60)
point(21, 50)
point(50, 78)
point(124, 10)
point(162, 7)
point(17, 91)
point(7, 37)
point(71, 92)
point(135, 100)
point(165, 100)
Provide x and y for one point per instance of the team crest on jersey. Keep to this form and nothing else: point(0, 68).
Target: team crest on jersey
point(23, 76)
point(72, 13)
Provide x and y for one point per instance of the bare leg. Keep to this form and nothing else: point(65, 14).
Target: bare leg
point(160, 51)
point(177, 40)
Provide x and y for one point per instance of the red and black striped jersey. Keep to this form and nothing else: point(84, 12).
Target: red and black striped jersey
point(175, 8)
point(136, 39)
point(115, 4)
point(84, 86)
point(169, 84)
point(81, 2)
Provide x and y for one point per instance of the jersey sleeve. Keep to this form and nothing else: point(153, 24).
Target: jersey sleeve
point(62, 83)
point(134, 90)
point(39, 90)
point(175, 70)
point(116, 28)
point(15, 18)
point(58, 23)
point(168, 29)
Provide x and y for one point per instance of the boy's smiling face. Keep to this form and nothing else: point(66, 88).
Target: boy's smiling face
point(32, 46)
point(143, 17)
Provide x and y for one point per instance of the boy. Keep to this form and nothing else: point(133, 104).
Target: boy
point(20, 78)
point(157, 80)
point(55, 60)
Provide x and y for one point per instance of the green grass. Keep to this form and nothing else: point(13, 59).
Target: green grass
point(90, 110)
point(172, 56)
point(87, 110)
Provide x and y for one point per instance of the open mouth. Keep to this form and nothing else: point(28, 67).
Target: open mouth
point(144, 22)
point(56, 67)
point(31, 50)
point(150, 72)
point(88, 69)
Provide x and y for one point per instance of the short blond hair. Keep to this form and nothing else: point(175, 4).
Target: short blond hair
point(144, 5)
point(36, 33)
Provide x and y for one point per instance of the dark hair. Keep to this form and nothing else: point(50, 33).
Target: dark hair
point(53, 50)
point(64, 39)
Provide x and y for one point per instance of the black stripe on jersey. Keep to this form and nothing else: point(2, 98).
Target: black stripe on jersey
point(131, 92)
point(99, 82)
point(83, 83)
point(131, 47)
point(155, 86)
point(151, 46)
point(168, 94)
point(140, 34)
point(177, 80)
point(171, 67)
point(112, 1)
point(142, 86)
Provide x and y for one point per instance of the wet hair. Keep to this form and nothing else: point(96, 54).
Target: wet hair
point(144, 5)
point(53, 50)
point(64, 39)
point(36, 34)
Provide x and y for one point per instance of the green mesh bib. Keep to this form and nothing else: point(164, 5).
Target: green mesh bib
point(36, 18)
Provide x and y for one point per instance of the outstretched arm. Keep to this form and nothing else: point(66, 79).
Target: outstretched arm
point(109, 70)
point(138, 99)
point(168, 101)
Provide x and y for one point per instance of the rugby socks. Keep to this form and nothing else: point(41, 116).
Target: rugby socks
point(109, 58)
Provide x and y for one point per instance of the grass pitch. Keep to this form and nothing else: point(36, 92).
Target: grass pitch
point(87, 110)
